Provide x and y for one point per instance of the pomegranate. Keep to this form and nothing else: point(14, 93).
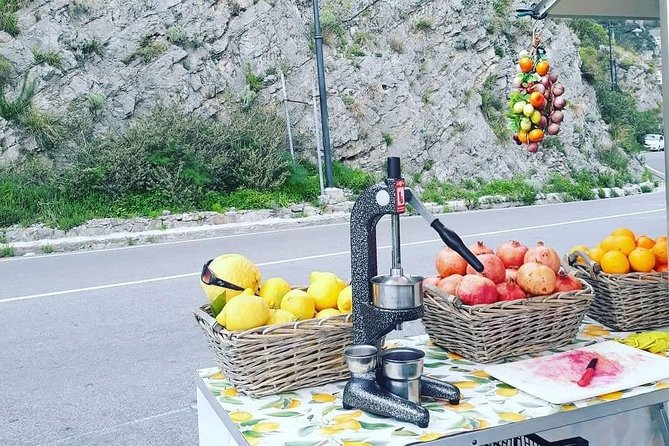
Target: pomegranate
point(493, 268)
point(557, 116)
point(536, 279)
point(449, 262)
point(512, 253)
point(533, 147)
point(558, 90)
point(567, 282)
point(511, 273)
point(545, 255)
point(475, 289)
point(450, 284)
point(553, 77)
point(559, 103)
point(434, 281)
point(510, 290)
point(479, 248)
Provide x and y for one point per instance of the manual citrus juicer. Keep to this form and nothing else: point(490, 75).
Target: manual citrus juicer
point(390, 382)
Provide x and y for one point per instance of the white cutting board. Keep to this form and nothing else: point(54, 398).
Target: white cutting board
point(553, 378)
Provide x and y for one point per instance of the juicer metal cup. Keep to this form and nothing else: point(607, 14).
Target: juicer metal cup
point(397, 291)
point(361, 358)
point(402, 369)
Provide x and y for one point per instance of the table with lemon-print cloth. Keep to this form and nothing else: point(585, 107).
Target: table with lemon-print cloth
point(488, 411)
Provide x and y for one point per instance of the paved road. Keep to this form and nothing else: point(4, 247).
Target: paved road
point(655, 161)
point(101, 347)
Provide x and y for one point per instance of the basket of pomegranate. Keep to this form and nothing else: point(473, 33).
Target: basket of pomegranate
point(522, 302)
point(629, 276)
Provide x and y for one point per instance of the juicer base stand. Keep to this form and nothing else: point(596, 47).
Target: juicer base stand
point(367, 395)
point(439, 389)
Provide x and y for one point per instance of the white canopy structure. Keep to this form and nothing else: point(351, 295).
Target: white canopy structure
point(622, 9)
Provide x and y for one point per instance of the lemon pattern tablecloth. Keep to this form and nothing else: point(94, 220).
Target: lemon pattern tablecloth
point(315, 417)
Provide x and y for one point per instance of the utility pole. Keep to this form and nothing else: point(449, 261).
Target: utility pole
point(325, 126)
point(614, 77)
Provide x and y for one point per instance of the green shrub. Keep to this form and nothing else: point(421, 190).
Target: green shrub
point(387, 138)
point(48, 57)
point(355, 180)
point(492, 108)
point(47, 129)
point(423, 24)
point(253, 80)
point(9, 23)
point(590, 32)
point(6, 251)
point(13, 110)
point(5, 71)
point(96, 102)
point(150, 48)
point(573, 190)
point(47, 249)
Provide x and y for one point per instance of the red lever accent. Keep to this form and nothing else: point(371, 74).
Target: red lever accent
point(400, 199)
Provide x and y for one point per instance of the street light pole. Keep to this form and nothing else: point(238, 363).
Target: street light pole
point(325, 126)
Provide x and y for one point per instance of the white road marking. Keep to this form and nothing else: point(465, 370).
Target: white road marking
point(127, 423)
point(301, 228)
point(320, 256)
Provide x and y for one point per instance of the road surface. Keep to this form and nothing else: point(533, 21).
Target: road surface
point(101, 348)
point(655, 162)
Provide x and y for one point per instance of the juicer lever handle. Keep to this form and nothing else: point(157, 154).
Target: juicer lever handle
point(454, 241)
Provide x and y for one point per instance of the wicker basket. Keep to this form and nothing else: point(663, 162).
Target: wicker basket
point(486, 333)
point(625, 302)
point(278, 358)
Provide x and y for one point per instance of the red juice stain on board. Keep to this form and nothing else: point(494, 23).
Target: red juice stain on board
point(570, 367)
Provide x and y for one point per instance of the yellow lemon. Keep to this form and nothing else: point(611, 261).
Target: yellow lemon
point(466, 384)
point(454, 356)
point(462, 407)
point(662, 385)
point(323, 397)
point(624, 231)
point(345, 300)
point(611, 396)
point(220, 318)
point(567, 407)
point(430, 436)
point(246, 312)
point(217, 375)
point(325, 292)
point(483, 424)
point(511, 416)
point(239, 416)
point(356, 443)
point(328, 312)
point(230, 391)
point(622, 243)
point(331, 430)
point(233, 268)
point(273, 291)
point(480, 374)
point(280, 317)
point(596, 254)
point(317, 275)
point(299, 303)
point(352, 425)
point(293, 404)
point(251, 440)
point(507, 392)
point(265, 427)
point(347, 416)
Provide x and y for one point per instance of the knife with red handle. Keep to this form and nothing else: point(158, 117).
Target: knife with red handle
point(588, 374)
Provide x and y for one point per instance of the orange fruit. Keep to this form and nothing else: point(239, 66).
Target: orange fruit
point(615, 262)
point(660, 250)
point(523, 136)
point(526, 64)
point(596, 254)
point(543, 67)
point(536, 135)
point(620, 243)
point(624, 231)
point(537, 99)
point(642, 260)
point(643, 241)
point(661, 268)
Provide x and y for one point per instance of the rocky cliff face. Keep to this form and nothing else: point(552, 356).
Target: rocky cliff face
point(405, 77)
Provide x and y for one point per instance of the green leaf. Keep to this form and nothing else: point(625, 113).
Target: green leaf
point(250, 422)
point(478, 379)
point(284, 414)
point(252, 434)
point(271, 404)
point(436, 355)
point(462, 362)
point(230, 400)
point(301, 443)
point(434, 365)
point(218, 304)
point(306, 430)
point(329, 409)
point(504, 386)
point(375, 426)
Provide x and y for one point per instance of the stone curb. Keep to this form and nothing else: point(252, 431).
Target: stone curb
point(129, 238)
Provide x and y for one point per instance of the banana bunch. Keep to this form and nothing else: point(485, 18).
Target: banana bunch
point(653, 341)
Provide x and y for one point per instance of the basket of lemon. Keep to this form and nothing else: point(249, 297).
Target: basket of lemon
point(629, 276)
point(270, 338)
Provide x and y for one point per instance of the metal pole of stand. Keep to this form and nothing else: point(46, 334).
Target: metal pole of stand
point(320, 64)
point(285, 107)
point(318, 139)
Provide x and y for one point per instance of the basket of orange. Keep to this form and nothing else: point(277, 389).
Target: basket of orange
point(629, 276)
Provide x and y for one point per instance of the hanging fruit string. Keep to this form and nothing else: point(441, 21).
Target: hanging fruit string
point(535, 102)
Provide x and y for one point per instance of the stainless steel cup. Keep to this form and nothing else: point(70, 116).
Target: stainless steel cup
point(397, 291)
point(361, 358)
point(402, 368)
